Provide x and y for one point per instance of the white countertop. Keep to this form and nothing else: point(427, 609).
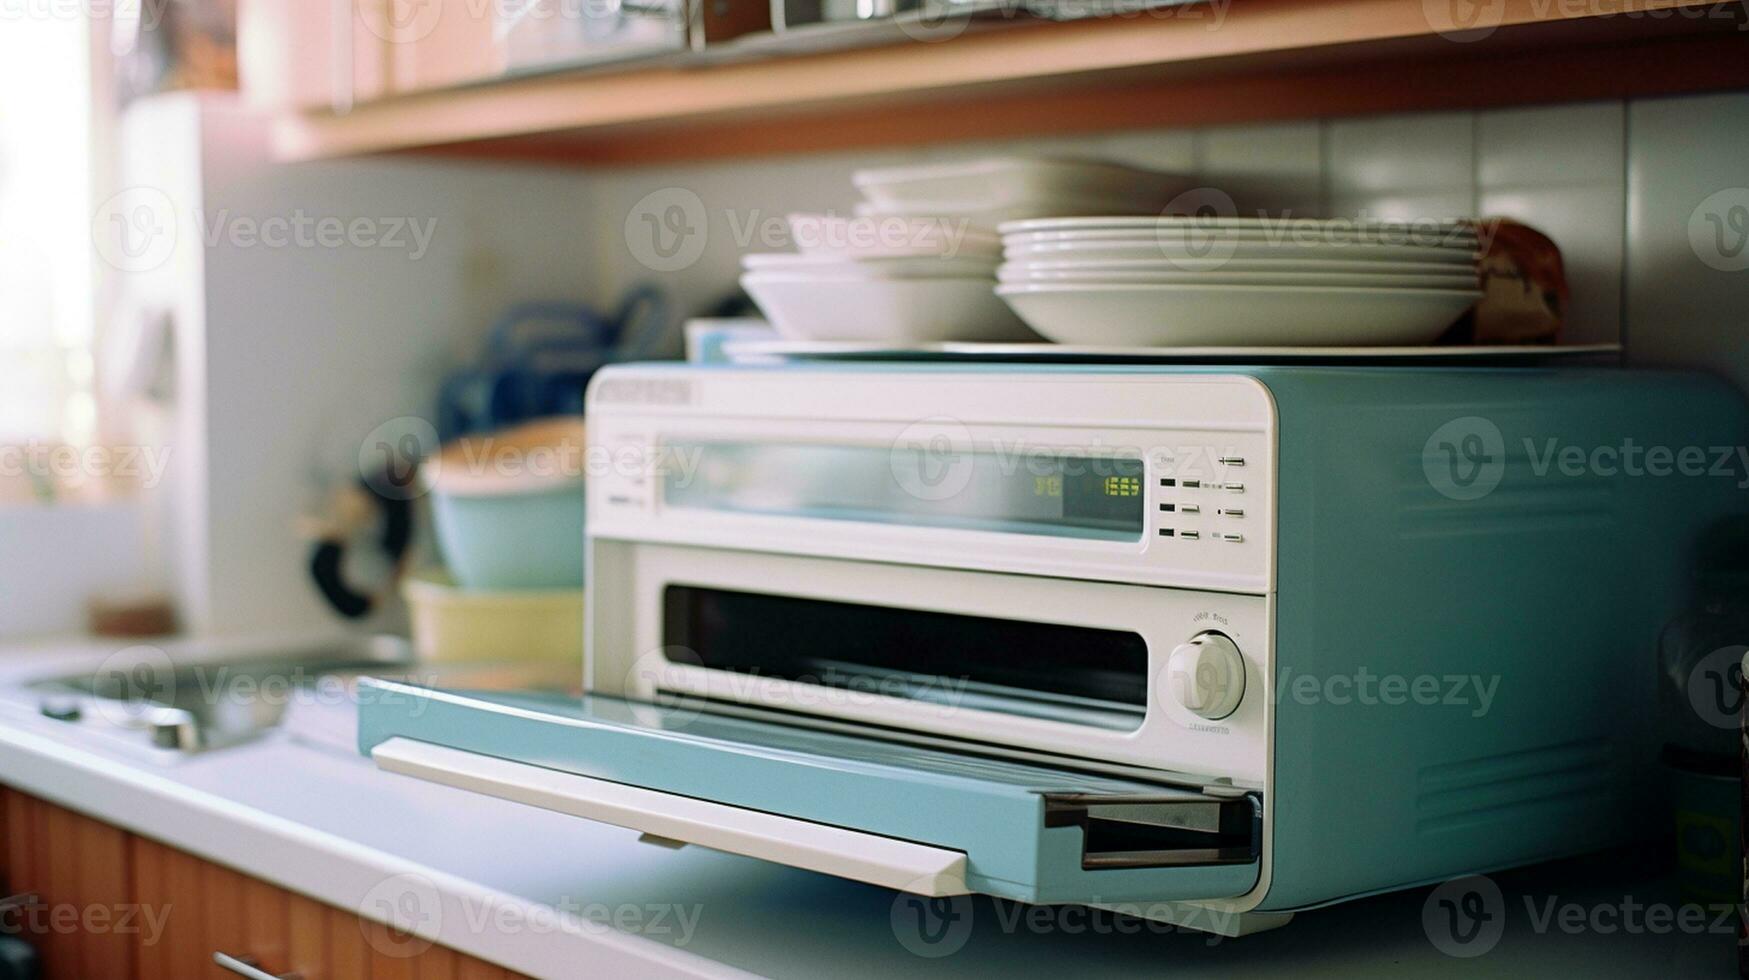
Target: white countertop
point(550, 895)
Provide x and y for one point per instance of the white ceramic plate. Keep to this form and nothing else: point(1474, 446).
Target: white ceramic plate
point(1459, 280)
point(1204, 252)
point(1236, 316)
point(1284, 226)
point(1365, 266)
point(877, 267)
point(1217, 235)
point(1006, 181)
point(888, 310)
point(881, 237)
point(765, 351)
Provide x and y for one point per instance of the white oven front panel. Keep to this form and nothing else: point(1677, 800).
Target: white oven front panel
point(946, 469)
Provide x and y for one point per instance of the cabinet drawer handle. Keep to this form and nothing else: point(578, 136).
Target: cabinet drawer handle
point(244, 968)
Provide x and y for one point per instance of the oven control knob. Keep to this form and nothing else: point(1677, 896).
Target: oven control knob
point(1207, 676)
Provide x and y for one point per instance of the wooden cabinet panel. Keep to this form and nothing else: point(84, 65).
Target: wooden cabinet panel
point(472, 969)
point(307, 935)
point(84, 919)
point(116, 923)
point(151, 879)
point(348, 956)
point(437, 963)
point(181, 909)
point(221, 900)
point(267, 926)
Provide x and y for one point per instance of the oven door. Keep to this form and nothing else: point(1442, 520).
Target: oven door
point(918, 819)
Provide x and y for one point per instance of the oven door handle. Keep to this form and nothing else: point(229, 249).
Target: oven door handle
point(903, 865)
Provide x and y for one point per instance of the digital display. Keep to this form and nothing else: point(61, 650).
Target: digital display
point(1031, 492)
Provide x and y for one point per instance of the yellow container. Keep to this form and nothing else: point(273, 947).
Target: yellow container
point(452, 624)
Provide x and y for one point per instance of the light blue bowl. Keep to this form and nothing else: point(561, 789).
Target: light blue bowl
point(515, 541)
point(500, 528)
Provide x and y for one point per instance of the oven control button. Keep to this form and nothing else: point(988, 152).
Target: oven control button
point(1207, 676)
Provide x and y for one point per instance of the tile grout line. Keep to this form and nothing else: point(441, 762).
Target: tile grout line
point(1623, 222)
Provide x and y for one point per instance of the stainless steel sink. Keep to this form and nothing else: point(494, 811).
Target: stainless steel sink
point(195, 699)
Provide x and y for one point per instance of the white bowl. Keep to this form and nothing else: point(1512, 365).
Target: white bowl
point(1462, 279)
point(890, 310)
point(1236, 316)
point(989, 215)
point(878, 267)
point(887, 236)
point(995, 182)
point(1203, 252)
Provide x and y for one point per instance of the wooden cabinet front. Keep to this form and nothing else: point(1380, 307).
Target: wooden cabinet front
point(109, 904)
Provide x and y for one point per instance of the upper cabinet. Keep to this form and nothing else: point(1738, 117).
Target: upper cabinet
point(331, 55)
point(615, 81)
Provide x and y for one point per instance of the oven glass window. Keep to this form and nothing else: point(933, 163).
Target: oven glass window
point(1024, 492)
point(1074, 674)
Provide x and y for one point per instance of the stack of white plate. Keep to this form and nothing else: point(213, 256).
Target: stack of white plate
point(893, 279)
point(917, 262)
point(1178, 281)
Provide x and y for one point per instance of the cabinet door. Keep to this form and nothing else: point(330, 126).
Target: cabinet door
point(115, 906)
point(437, 43)
point(314, 54)
point(84, 919)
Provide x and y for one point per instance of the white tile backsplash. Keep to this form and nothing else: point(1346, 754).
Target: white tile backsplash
point(1391, 154)
point(1405, 205)
point(1277, 169)
point(1688, 232)
point(1586, 221)
point(1612, 183)
point(1570, 144)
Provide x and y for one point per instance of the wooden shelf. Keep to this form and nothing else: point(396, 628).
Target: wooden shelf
point(1243, 60)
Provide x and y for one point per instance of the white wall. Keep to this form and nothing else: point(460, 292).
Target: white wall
point(1613, 183)
point(289, 356)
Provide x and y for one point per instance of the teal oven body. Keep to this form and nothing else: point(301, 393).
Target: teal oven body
point(1448, 621)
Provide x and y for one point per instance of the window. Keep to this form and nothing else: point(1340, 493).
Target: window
point(49, 283)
